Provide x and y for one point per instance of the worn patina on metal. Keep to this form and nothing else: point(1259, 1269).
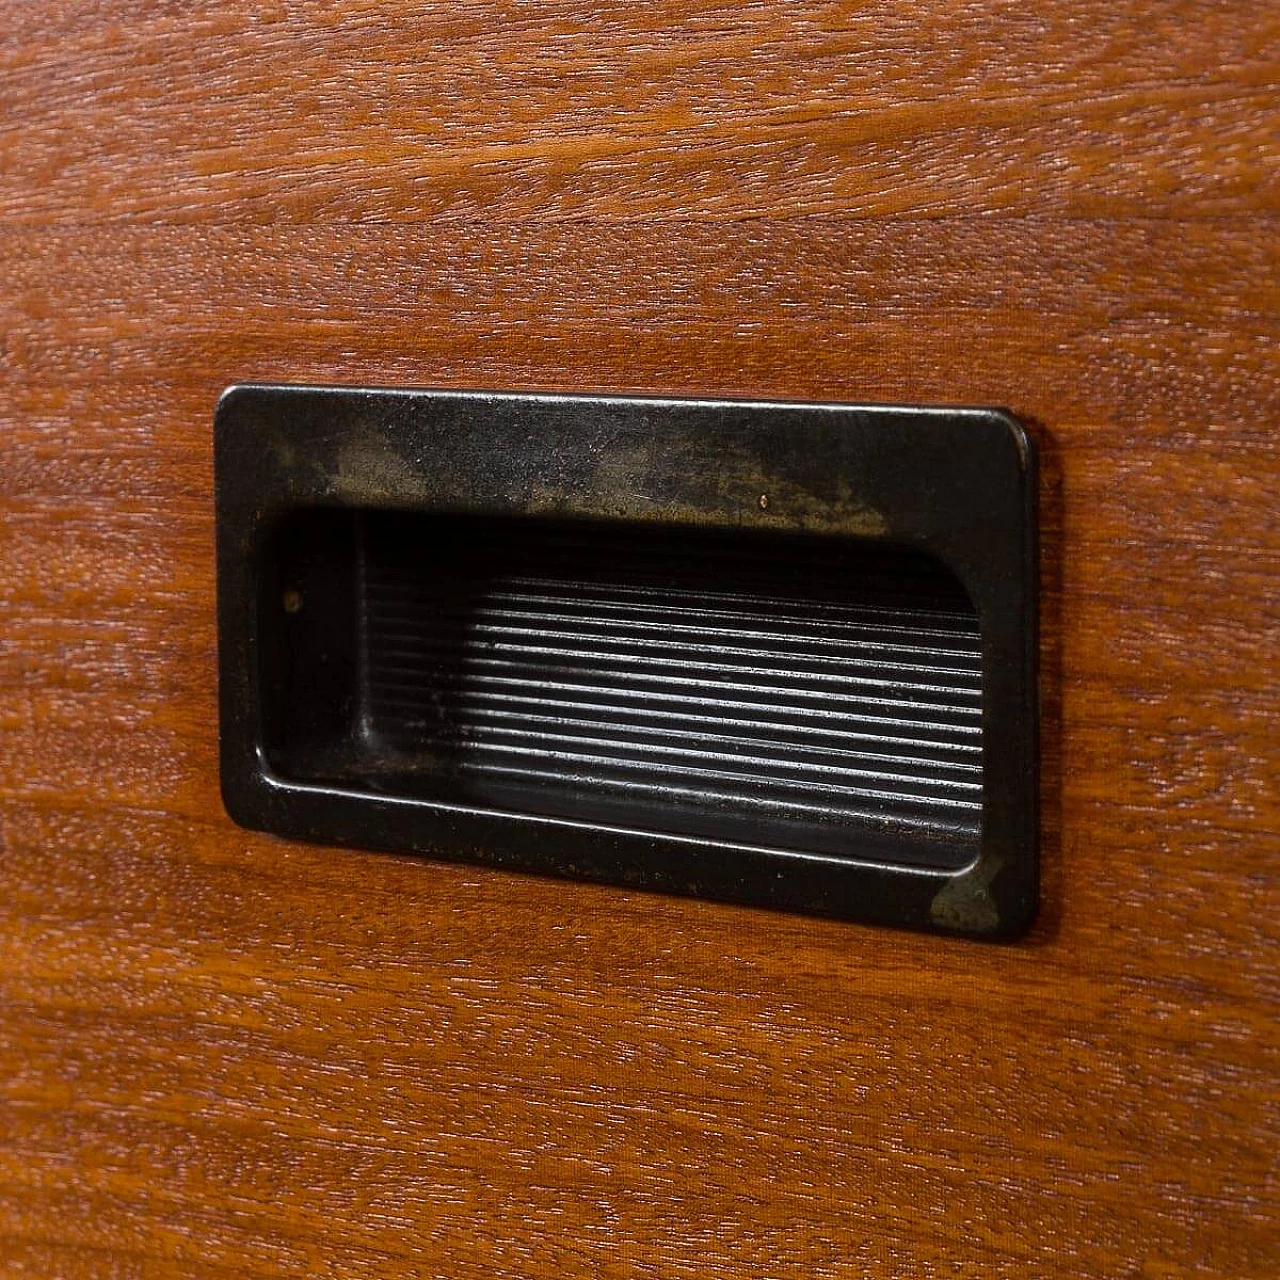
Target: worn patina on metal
point(781, 654)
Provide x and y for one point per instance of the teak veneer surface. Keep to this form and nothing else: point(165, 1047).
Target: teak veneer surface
point(223, 1054)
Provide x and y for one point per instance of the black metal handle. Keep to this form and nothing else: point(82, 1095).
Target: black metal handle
point(781, 654)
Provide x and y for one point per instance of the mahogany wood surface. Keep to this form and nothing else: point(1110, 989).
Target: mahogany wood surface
point(223, 1054)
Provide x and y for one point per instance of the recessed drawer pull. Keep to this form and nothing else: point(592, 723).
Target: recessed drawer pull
point(780, 654)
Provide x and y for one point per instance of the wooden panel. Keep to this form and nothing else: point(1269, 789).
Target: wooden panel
point(487, 110)
point(226, 1054)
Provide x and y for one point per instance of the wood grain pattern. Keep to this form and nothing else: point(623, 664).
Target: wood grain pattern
point(488, 110)
point(223, 1054)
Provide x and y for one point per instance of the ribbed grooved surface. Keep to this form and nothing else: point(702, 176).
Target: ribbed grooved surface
point(795, 694)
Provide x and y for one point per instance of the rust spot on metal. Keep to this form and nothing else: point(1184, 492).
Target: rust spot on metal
point(965, 903)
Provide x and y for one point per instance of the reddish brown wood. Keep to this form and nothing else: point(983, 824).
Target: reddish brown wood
point(226, 1054)
point(486, 110)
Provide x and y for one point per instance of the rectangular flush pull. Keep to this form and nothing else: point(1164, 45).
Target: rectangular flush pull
point(782, 654)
